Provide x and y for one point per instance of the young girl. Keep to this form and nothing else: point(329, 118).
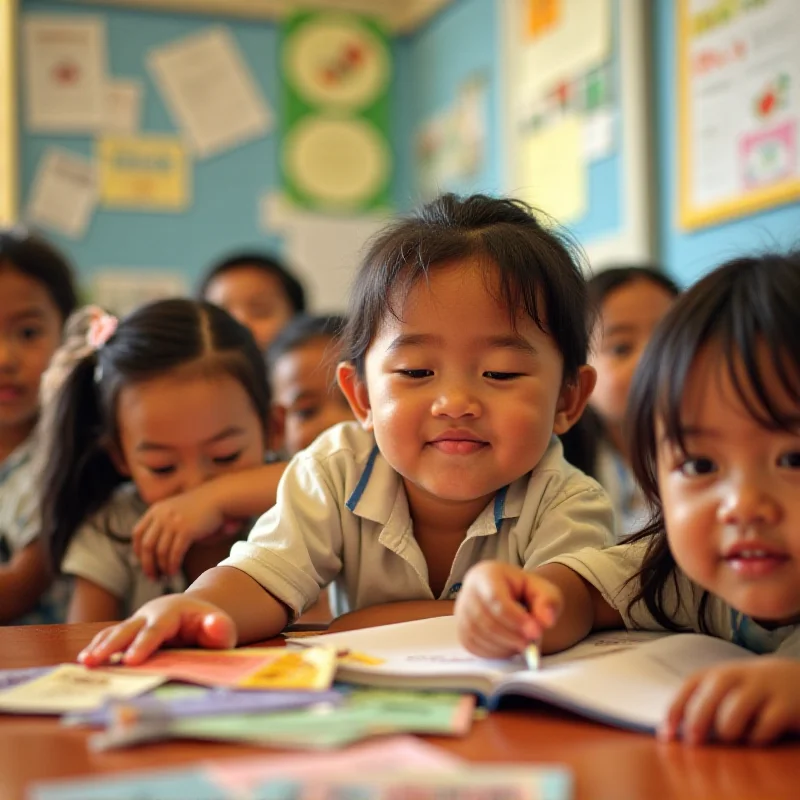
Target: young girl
point(715, 443)
point(464, 354)
point(158, 426)
point(630, 302)
point(36, 296)
point(258, 290)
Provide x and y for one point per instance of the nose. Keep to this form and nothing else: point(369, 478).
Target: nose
point(749, 500)
point(456, 400)
point(8, 354)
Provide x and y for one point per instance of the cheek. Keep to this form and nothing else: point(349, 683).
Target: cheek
point(151, 488)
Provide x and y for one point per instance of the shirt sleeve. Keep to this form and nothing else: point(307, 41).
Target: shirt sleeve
point(790, 646)
point(583, 518)
point(91, 555)
point(295, 549)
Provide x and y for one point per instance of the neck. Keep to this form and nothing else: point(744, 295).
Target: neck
point(12, 437)
point(614, 435)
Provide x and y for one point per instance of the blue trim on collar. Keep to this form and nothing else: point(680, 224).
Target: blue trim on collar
point(500, 506)
point(352, 501)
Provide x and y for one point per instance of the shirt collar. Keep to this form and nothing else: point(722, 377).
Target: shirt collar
point(16, 458)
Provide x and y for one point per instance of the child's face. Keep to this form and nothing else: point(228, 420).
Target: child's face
point(177, 432)
point(30, 330)
point(732, 502)
point(629, 315)
point(255, 298)
point(304, 386)
point(461, 402)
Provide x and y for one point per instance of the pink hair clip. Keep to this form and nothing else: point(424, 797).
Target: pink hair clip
point(101, 330)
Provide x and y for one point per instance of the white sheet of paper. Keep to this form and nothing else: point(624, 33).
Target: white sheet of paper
point(72, 687)
point(122, 289)
point(65, 73)
point(210, 92)
point(64, 193)
point(324, 249)
point(599, 134)
point(123, 106)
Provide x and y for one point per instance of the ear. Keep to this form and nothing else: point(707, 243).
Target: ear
point(573, 399)
point(355, 390)
point(276, 428)
point(118, 459)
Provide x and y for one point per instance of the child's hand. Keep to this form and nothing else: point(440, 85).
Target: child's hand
point(170, 527)
point(178, 619)
point(501, 609)
point(754, 702)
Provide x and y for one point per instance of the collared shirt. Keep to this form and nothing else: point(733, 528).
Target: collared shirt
point(342, 518)
point(19, 527)
point(615, 476)
point(610, 572)
point(101, 551)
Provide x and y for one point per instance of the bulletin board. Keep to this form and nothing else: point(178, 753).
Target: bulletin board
point(8, 113)
point(594, 152)
point(739, 108)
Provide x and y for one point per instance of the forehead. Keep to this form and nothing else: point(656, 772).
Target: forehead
point(182, 409)
point(639, 301)
point(244, 281)
point(20, 292)
point(309, 360)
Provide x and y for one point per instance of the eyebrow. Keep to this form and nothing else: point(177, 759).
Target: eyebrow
point(232, 430)
point(621, 328)
point(306, 394)
point(28, 313)
point(505, 341)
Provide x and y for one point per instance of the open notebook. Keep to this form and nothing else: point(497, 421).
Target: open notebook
point(622, 678)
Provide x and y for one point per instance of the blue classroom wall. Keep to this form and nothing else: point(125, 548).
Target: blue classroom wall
point(226, 189)
point(690, 254)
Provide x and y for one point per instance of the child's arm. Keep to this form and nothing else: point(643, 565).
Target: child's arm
point(165, 533)
point(92, 603)
point(755, 701)
point(23, 580)
point(501, 609)
point(222, 608)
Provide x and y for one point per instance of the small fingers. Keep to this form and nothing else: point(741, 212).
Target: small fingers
point(177, 552)
point(773, 721)
point(110, 641)
point(737, 711)
point(672, 724)
point(163, 549)
point(701, 707)
point(149, 638)
point(147, 548)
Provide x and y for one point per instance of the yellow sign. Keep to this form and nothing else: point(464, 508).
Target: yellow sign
point(143, 172)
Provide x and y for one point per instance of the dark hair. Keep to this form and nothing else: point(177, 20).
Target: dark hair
point(302, 329)
point(38, 259)
point(295, 293)
point(539, 270)
point(745, 303)
point(80, 415)
point(582, 441)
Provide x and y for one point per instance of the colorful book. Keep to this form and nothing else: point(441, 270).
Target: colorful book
point(627, 679)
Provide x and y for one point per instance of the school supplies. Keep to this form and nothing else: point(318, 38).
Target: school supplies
point(360, 714)
point(246, 668)
point(627, 679)
point(72, 687)
point(533, 656)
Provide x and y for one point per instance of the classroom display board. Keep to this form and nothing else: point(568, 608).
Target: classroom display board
point(739, 107)
point(335, 152)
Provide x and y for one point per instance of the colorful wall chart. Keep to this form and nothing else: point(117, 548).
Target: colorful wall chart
point(335, 151)
point(739, 97)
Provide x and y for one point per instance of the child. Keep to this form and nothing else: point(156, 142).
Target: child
point(302, 369)
point(715, 443)
point(159, 425)
point(464, 353)
point(256, 289)
point(36, 296)
point(630, 302)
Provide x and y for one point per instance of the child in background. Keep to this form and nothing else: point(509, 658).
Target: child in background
point(464, 354)
point(256, 289)
point(630, 302)
point(37, 294)
point(302, 370)
point(159, 425)
point(715, 443)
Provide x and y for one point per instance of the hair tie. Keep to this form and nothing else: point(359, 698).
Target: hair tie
point(101, 329)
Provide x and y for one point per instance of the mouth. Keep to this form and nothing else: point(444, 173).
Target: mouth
point(10, 393)
point(754, 561)
point(458, 443)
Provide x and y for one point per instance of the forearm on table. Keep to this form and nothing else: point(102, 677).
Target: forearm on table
point(256, 613)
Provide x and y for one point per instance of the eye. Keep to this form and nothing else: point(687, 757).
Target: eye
point(695, 467)
point(165, 470)
point(502, 376)
point(415, 374)
point(229, 459)
point(305, 413)
point(29, 333)
point(790, 460)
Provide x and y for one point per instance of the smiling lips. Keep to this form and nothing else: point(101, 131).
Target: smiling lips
point(10, 392)
point(754, 560)
point(458, 443)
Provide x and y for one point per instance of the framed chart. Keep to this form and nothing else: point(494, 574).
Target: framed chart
point(739, 107)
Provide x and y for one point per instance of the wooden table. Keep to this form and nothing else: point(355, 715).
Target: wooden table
point(607, 763)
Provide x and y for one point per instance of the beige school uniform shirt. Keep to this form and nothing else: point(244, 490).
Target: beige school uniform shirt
point(610, 571)
point(342, 518)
